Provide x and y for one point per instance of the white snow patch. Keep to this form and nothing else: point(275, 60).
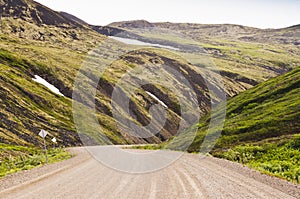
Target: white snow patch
point(42, 81)
point(156, 98)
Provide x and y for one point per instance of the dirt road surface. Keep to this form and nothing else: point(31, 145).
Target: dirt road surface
point(189, 177)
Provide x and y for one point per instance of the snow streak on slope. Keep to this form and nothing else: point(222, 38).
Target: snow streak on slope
point(156, 98)
point(42, 81)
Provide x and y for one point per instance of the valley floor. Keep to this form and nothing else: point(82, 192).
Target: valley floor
point(189, 177)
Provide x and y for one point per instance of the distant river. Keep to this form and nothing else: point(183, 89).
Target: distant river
point(140, 43)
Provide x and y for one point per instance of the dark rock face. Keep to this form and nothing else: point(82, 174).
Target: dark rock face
point(34, 12)
point(108, 31)
point(239, 78)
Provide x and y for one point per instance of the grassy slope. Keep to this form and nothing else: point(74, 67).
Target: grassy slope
point(28, 107)
point(270, 109)
point(279, 157)
point(38, 108)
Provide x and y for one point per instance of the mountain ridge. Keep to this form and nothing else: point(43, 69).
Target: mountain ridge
point(140, 23)
point(230, 31)
point(35, 12)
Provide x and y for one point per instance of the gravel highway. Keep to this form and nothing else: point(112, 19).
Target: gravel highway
point(189, 177)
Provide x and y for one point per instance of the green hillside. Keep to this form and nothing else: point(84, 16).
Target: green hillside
point(27, 107)
point(269, 110)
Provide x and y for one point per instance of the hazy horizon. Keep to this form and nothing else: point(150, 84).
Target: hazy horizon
point(259, 14)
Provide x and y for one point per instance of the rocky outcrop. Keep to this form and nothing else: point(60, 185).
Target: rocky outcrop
point(34, 12)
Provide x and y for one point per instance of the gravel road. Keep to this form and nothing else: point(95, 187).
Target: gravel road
point(189, 177)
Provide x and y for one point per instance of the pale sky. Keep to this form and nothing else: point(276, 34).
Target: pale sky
point(255, 13)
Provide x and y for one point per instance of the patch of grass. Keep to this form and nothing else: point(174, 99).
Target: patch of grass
point(19, 158)
point(280, 159)
point(149, 147)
